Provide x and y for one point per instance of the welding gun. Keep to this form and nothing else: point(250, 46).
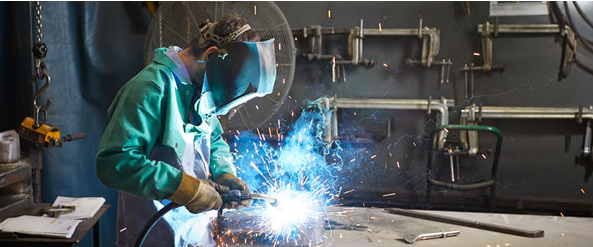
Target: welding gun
point(241, 195)
point(229, 196)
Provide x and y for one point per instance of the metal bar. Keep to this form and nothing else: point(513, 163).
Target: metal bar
point(587, 139)
point(529, 112)
point(520, 28)
point(390, 32)
point(468, 223)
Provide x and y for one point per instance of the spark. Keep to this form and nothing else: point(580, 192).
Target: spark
point(385, 65)
point(329, 14)
point(476, 53)
point(398, 164)
point(561, 214)
point(484, 156)
point(380, 27)
point(280, 47)
point(386, 195)
point(295, 39)
point(254, 9)
point(256, 107)
point(349, 191)
point(582, 190)
point(122, 230)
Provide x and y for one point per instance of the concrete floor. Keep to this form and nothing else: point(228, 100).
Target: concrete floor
point(384, 229)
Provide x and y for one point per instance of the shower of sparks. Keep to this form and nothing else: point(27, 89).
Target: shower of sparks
point(294, 171)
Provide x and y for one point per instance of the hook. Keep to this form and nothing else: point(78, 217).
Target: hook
point(40, 75)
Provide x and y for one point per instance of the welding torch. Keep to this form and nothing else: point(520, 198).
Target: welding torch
point(229, 196)
point(241, 195)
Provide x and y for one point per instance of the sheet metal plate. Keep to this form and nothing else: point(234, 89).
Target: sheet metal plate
point(247, 228)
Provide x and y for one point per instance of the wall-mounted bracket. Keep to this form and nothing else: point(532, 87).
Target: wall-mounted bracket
point(488, 31)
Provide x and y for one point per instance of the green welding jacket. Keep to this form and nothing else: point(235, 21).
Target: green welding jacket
point(150, 110)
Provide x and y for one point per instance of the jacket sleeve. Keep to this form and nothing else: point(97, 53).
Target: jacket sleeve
point(221, 160)
point(134, 126)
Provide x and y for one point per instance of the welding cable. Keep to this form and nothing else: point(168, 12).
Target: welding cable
point(582, 14)
point(567, 20)
point(152, 222)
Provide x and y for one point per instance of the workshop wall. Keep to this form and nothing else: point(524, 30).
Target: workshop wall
point(94, 48)
point(538, 157)
point(89, 60)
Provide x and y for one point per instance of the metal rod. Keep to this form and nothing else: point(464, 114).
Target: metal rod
point(471, 92)
point(452, 168)
point(587, 139)
point(468, 223)
point(466, 86)
point(520, 28)
point(530, 112)
point(396, 104)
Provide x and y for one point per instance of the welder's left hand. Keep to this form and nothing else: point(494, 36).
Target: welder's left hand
point(234, 183)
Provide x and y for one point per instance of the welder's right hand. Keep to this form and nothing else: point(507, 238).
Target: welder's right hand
point(198, 195)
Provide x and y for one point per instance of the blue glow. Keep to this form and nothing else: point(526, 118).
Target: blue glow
point(296, 168)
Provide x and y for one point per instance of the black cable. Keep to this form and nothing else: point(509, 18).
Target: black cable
point(585, 42)
point(582, 14)
point(152, 222)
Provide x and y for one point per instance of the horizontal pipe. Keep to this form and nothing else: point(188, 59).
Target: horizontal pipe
point(396, 104)
point(521, 28)
point(529, 112)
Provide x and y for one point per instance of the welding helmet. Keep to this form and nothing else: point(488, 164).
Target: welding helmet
point(238, 72)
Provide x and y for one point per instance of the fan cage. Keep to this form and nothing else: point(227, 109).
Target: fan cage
point(176, 23)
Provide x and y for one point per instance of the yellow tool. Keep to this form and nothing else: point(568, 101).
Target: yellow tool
point(44, 135)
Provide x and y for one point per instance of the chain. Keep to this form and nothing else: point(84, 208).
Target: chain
point(39, 52)
point(38, 19)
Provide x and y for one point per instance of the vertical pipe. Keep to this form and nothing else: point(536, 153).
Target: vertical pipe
point(354, 42)
point(360, 37)
point(466, 83)
point(452, 168)
point(327, 133)
point(587, 139)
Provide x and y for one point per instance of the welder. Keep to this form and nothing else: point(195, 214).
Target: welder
point(163, 142)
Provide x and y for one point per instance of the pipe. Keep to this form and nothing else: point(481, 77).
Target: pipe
point(529, 112)
point(397, 104)
point(587, 140)
point(510, 112)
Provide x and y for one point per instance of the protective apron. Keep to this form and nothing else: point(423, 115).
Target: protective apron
point(179, 227)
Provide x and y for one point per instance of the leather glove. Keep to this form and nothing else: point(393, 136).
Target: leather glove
point(234, 183)
point(198, 195)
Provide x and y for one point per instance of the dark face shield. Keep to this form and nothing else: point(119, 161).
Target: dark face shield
point(240, 71)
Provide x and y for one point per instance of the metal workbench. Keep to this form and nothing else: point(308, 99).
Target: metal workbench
point(384, 229)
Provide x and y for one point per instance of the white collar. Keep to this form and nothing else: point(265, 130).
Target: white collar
point(172, 54)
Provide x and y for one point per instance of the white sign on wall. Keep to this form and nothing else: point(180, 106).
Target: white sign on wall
point(518, 8)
